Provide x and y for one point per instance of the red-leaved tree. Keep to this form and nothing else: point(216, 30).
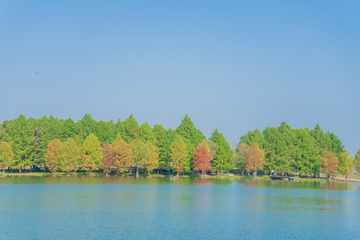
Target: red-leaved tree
point(329, 163)
point(108, 158)
point(202, 157)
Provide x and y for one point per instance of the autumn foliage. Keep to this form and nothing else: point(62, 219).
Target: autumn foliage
point(329, 163)
point(53, 155)
point(108, 157)
point(122, 156)
point(202, 157)
point(254, 158)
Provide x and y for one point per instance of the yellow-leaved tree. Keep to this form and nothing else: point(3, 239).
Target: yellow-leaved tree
point(6, 156)
point(346, 164)
point(178, 155)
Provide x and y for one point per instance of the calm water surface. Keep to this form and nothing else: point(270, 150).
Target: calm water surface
point(103, 208)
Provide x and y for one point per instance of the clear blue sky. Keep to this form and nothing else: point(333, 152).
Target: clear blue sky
point(231, 65)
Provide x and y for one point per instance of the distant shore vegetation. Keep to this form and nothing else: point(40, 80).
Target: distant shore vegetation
point(121, 147)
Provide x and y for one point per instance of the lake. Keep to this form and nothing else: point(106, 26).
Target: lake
point(156, 208)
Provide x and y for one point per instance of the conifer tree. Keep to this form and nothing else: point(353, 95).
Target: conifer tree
point(53, 156)
point(122, 156)
point(222, 159)
point(146, 133)
point(154, 160)
point(141, 154)
point(6, 156)
point(108, 158)
point(103, 132)
point(329, 163)
point(178, 155)
point(346, 164)
point(69, 158)
point(254, 159)
point(202, 157)
point(131, 129)
point(91, 154)
point(241, 152)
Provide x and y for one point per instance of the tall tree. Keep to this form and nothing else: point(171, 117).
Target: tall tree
point(103, 132)
point(346, 163)
point(254, 159)
point(86, 126)
point(164, 160)
point(253, 136)
point(69, 158)
point(223, 157)
point(202, 157)
point(119, 129)
point(108, 158)
point(308, 154)
point(241, 152)
point(178, 155)
point(154, 160)
point(146, 133)
point(53, 155)
point(91, 154)
point(19, 134)
point(141, 154)
point(329, 163)
point(68, 129)
point(131, 129)
point(122, 156)
point(6, 156)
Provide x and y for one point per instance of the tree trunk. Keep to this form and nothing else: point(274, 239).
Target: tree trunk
point(158, 170)
point(54, 173)
point(44, 168)
point(68, 175)
point(242, 172)
point(75, 172)
point(137, 171)
point(19, 170)
point(177, 174)
point(3, 172)
point(130, 169)
point(345, 178)
point(107, 174)
point(145, 170)
point(254, 173)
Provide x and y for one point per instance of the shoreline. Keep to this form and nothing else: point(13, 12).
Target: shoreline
point(194, 176)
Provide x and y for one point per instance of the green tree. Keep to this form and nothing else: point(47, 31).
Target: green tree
point(53, 155)
point(103, 132)
point(191, 136)
point(85, 126)
point(131, 129)
point(91, 154)
point(19, 134)
point(141, 154)
point(69, 156)
point(146, 133)
point(223, 157)
point(6, 156)
point(178, 155)
point(116, 141)
point(241, 151)
point(307, 156)
point(253, 136)
point(346, 163)
point(119, 128)
point(68, 129)
point(164, 160)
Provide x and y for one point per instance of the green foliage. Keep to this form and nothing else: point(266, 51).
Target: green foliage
point(253, 136)
point(141, 154)
point(223, 156)
point(167, 140)
point(146, 133)
point(131, 129)
point(308, 155)
point(68, 129)
point(103, 132)
point(69, 155)
point(86, 126)
point(179, 155)
point(346, 163)
point(117, 140)
point(19, 134)
point(6, 155)
point(91, 153)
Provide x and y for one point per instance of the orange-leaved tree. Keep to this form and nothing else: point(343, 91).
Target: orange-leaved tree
point(254, 158)
point(329, 163)
point(53, 155)
point(201, 159)
point(108, 158)
point(122, 156)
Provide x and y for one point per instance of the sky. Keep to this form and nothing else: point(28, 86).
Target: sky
point(230, 65)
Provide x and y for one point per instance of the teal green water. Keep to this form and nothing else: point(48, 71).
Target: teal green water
point(113, 208)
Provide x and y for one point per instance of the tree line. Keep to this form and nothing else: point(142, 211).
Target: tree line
point(65, 145)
